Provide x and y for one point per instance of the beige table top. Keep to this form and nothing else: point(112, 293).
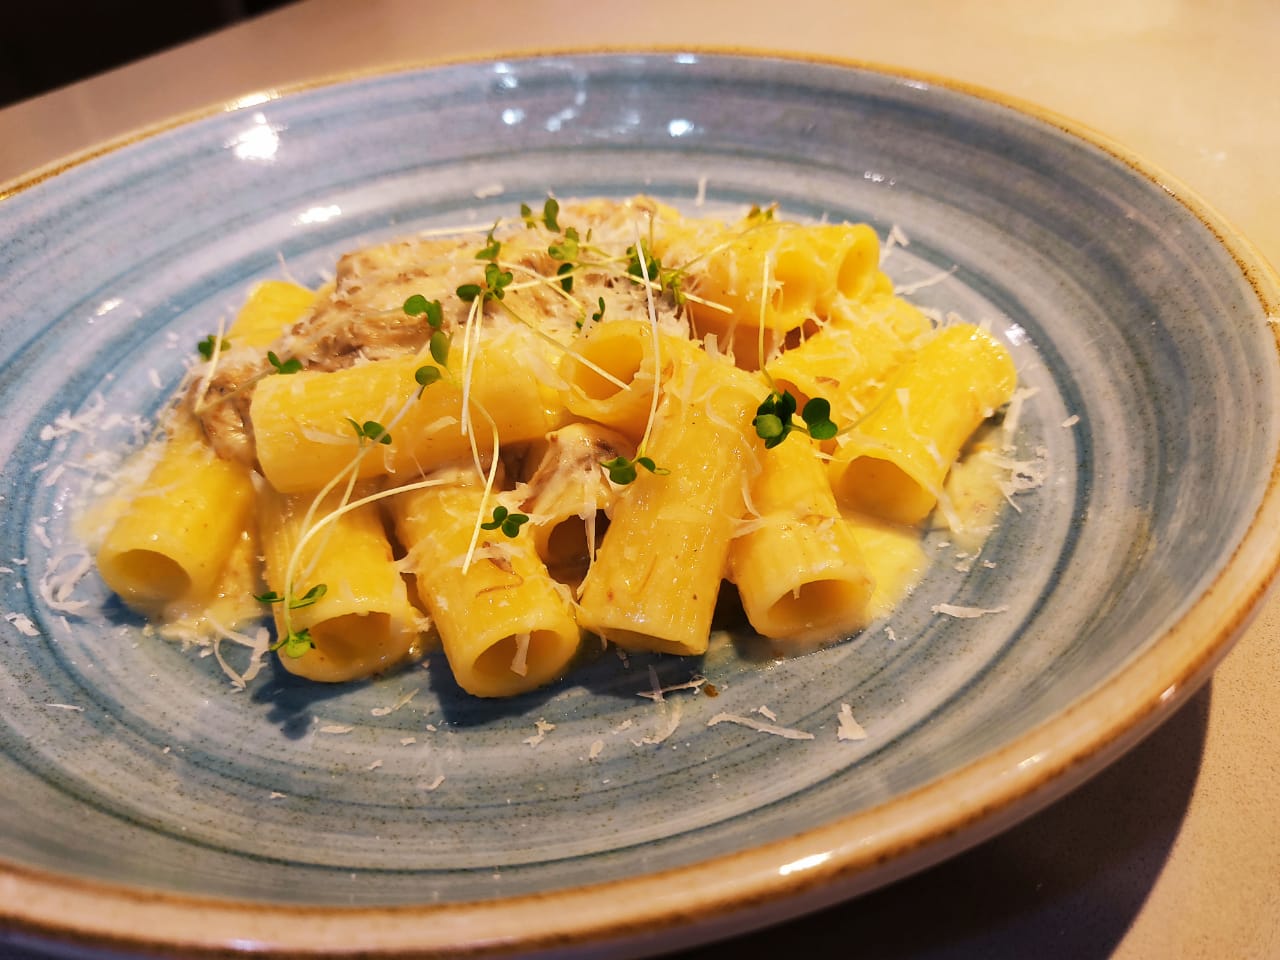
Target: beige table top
point(1174, 852)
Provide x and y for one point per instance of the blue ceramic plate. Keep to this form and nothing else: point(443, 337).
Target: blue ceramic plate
point(146, 803)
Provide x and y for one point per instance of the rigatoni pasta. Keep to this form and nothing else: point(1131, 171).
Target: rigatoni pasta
point(597, 419)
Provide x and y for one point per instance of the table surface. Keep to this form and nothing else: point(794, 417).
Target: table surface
point(1172, 852)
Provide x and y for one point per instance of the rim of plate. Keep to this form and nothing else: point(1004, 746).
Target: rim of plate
point(759, 885)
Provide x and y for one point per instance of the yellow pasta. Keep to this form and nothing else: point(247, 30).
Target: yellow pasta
point(798, 567)
point(568, 491)
point(505, 626)
point(581, 421)
point(624, 350)
point(807, 269)
point(363, 623)
point(654, 583)
point(301, 422)
point(893, 462)
point(272, 306)
point(173, 539)
point(176, 533)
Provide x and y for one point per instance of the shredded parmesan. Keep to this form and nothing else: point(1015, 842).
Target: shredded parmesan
point(785, 732)
point(849, 728)
point(543, 728)
point(672, 712)
point(965, 613)
point(23, 624)
point(400, 702)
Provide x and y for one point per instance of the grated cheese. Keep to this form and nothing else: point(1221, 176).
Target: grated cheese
point(965, 613)
point(785, 732)
point(672, 713)
point(23, 624)
point(385, 711)
point(849, 728)
point(543, 728)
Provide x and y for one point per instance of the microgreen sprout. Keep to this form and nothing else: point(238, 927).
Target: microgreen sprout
point(491, 247)
point(566, 248)
point(211, 344)
point(652, 271)
point(494, 287)
point(418, 305)
point(438, 345)
point(774, 418)
point(506, 521)
point(295, 643)
point(599, 314)
point(292, 365)
point(425, 376)
point(623, 471)
point(371, 431)
point(817, 418)
point(761, 213)
point(296, 603)
point(550, 211)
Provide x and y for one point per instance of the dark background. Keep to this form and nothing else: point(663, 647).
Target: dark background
point(45, 44)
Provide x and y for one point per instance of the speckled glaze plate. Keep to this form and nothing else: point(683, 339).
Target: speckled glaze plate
point(148, 805)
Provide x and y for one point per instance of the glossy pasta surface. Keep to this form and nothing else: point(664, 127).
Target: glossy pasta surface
point(597, 420)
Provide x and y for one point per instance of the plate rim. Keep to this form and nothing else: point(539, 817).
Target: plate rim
point(748, 888)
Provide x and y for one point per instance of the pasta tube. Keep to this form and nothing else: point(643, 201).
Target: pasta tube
point(505, 626)
point(174, 536)
point(272, 306)
point(807, 268)
point(799, 570)
point(303, 438)
point(654, 582)
point(364, 623)
point(848, 363)
point(567, 492)
point(173, 539)
point(624, 349)
point(893, 462)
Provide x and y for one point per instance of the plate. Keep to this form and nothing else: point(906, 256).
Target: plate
point(149, 805)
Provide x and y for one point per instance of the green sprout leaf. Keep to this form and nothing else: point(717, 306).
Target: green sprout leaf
point(425, 376)
point(212, 344)
point(418, 305)
point(567, 248)
point(599, 314)
point(817, 417)
point(623, 471)
point(509, 523)
point(469, 291)
point(773, 418)
point(652, 265)
point(496, 280)
point(491, 248)
point(296, 643)
point(308, 598)
point(292, 365)
point(269, 597)
point(439, 347)
point(370, 430)
point(566, 274)
point(550, 213)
